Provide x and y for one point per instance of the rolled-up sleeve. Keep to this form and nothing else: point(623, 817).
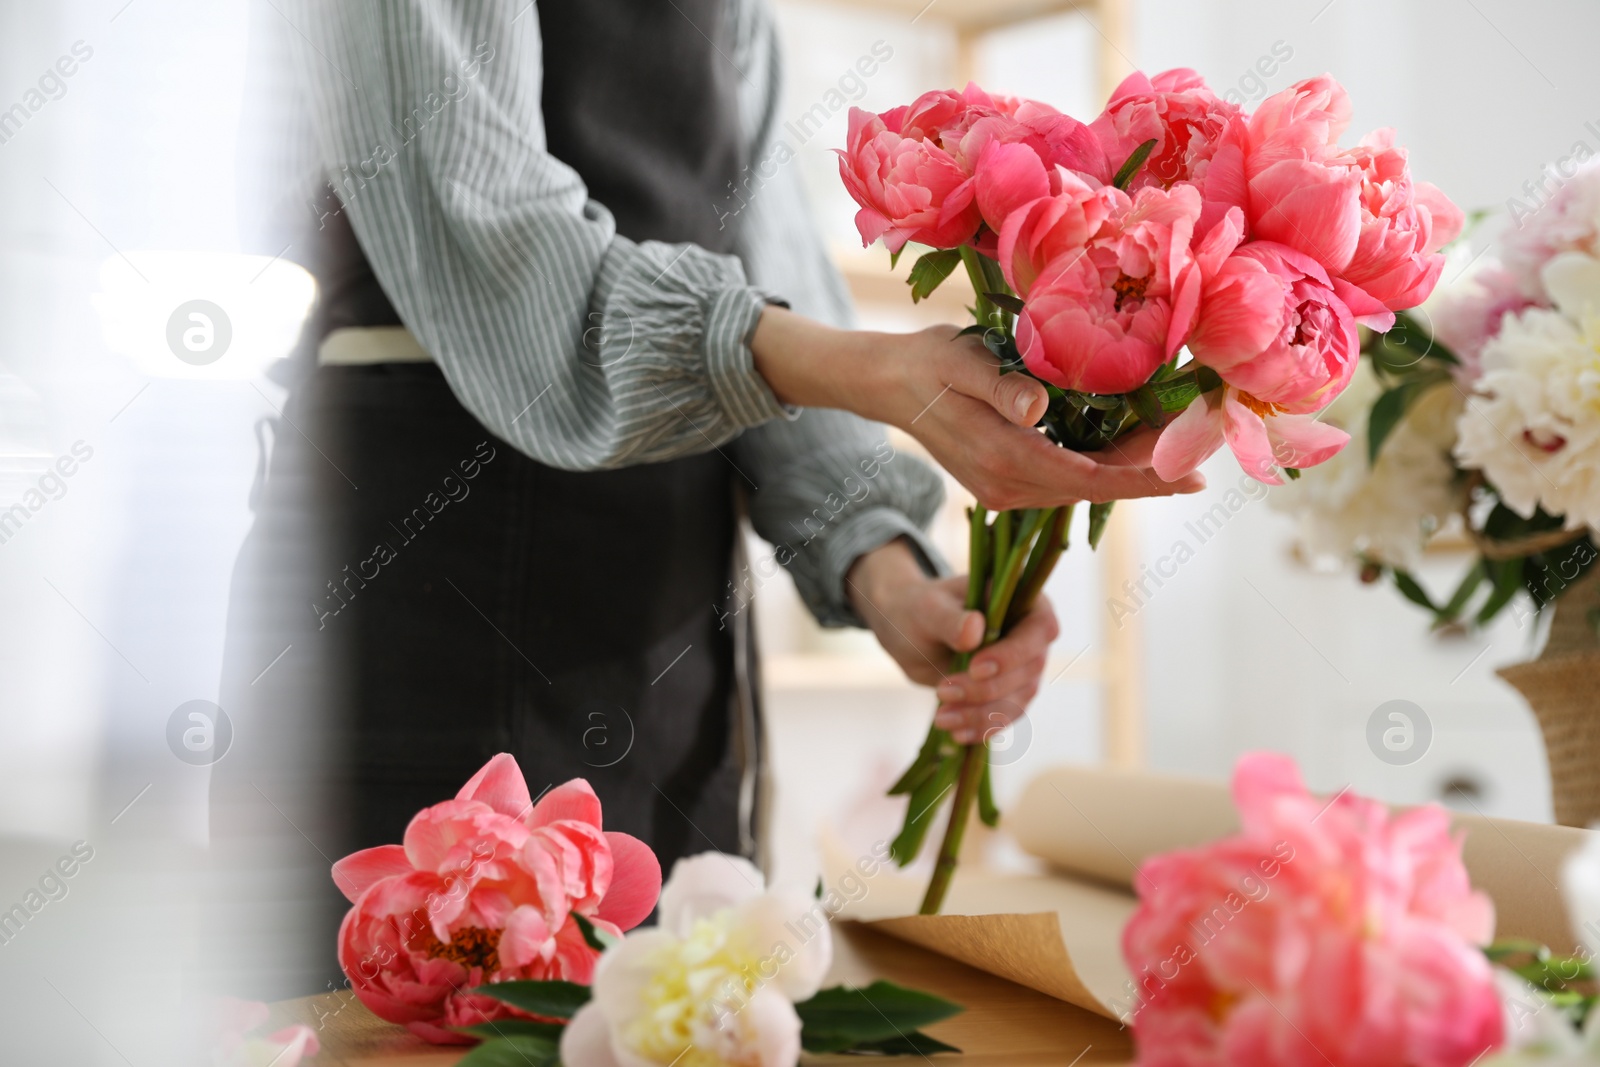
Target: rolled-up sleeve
point(579, 347)
point(830, 487)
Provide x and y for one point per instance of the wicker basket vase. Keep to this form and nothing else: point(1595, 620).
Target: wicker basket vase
point(1562, 686)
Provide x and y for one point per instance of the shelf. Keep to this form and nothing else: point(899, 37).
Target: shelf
point(974, 16)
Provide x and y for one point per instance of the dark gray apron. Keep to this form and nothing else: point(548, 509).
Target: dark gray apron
point(416, 595)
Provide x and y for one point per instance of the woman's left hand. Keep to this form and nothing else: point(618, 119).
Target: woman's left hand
point(923, 622)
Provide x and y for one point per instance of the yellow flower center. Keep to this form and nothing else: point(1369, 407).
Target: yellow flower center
point(691, 1007)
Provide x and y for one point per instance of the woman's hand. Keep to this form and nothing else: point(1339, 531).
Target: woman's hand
point(947, 391)
point(922, 622)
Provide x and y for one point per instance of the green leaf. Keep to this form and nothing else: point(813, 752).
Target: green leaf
point(512, 1052)
point(921, 768)
point(1458, 600)
point(550, 1032)
point(554, 999)
point(1506, 578)
point(879, 1012)
point(930, 270)
point(987, 810)
point(1131, 167)
point(1005, 300)
point(591, 936)
point(1176, 394)
point(916, 1043)
point(894, 257)
point(1098, 514)
point(925, 801)
point(1412, 590)
point(1385, 416)
point(1147, 405)
point(1292, 473)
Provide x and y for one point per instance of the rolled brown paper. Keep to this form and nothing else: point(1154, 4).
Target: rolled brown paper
point(1103, 823)
point(1060, 932)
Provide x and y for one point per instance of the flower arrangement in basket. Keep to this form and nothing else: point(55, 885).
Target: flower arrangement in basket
point(1481, 413)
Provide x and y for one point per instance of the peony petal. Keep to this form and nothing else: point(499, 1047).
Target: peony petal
point(798, 921)
point(1259, 779)
point(1246, 433)
point(499, 784)
point(775, 1025)
point(1309, 207)
point(292, 1044)
point(1368, 311)
point(1189, 440)
point(701, 886)
point(525, 938)
point(1008, 177)
point(359, 870)
point(1300, 441)
point(1573, 281)
point(586, 1040)
point(635, 882)
point(573, 800)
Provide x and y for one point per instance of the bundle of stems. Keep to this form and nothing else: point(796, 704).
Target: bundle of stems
point(1010, 557)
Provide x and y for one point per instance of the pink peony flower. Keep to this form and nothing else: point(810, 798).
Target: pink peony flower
point(1101, 318)
point(1179, 112)
point(1292, 195)
point(1273, 327)
point(484, 890)
point(908, 187)
point(1324, 934)
point(1403, 226)
point(1044, 229)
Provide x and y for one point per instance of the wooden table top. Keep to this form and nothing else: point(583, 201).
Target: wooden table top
point(1005, 1025)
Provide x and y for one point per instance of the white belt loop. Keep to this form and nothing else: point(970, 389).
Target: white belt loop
point(354, 346)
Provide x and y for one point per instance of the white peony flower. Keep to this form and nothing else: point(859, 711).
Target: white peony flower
point(1534, 426)
point(1568, 223)
point(1347, 508)
point(715, 984)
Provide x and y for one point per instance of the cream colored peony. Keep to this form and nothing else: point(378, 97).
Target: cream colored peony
point(1533, 427)
point(1347, 508)
point(715, 984)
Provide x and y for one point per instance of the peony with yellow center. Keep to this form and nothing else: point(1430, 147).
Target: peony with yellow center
point(714, 985)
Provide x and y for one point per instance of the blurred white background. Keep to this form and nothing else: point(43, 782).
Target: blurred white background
point(114, 594)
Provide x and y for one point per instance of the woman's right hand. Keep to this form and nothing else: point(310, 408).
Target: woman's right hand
point(947, 391)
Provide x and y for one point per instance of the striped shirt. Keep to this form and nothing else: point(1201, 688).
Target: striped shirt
point(581, 348)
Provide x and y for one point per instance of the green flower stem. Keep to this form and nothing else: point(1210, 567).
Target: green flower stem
point(1009, 574)
point(1046, 553)
point(975, 757)
point(983, 307)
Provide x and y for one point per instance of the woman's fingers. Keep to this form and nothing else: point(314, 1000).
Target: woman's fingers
point(970, 368)
point(963, 690)
point(974, 723)
point(1028, 640)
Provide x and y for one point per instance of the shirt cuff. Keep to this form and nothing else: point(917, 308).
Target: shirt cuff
point(855, 537)
point(739, 389)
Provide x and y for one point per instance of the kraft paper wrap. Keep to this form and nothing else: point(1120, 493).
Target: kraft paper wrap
point(1059, 932)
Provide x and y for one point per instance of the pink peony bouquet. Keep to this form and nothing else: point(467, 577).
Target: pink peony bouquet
point(488, 887)
point(1323, 934)
point(1176, 264)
